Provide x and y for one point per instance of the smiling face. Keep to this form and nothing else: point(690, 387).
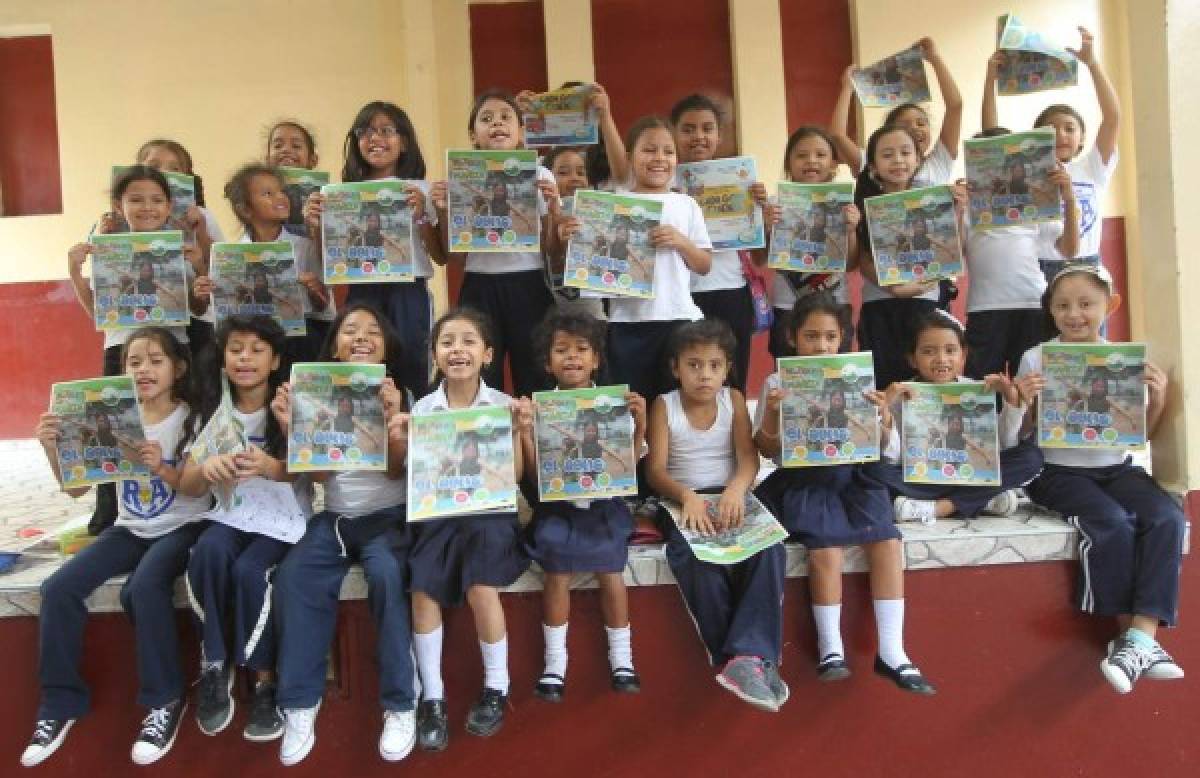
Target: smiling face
point(145, 206)
point(496, 127)
point(895, 161)
point(811, 161)
point(266, 202)
point(162, 158)
point(1079, 306)
point(460, 352)
point(652, 159)
point(819, 334)
point(288, 146)
point(939, 356)
point(381, 144)
point(701, 370)
point(152, 371)
point(249, 360)
point(570, 172)
point(572, 360)
point(1068, 135)
point(917, 122)
point(360, 339)
point(697, 134)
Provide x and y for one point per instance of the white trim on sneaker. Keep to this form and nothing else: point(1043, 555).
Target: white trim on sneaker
point(297, 723)
point(35, 754)
point(399, 734)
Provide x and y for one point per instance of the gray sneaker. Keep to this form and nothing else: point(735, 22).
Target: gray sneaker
point(775, 683)
point(214, 699)
point(265, 723)
point(1162, 666)
point(745, 677)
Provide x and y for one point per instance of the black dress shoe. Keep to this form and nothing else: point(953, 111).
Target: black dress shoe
point(487, 714)
point(550, 687)
point(625, 680)
point(433, 733)
point(906, 676)
point(833, 667)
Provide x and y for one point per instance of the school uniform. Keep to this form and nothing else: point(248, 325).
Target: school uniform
point(510, 287)
point(638, 330)
point(229, 575)
point(787, 288)
point(363, 521)
point(1130, 530)
point(449, 556)
point(201, 329)
point(1020, 463)
point(886, 326)
point(1089, 178)
point(737, 609)
point(154, 529)
point(825, 507)
point(723, 294)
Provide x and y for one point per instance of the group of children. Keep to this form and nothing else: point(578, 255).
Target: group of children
point(269, 605)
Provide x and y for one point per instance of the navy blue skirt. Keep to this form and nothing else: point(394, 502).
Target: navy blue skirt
point(822, 507)
point(565, 539)
point(449, 556)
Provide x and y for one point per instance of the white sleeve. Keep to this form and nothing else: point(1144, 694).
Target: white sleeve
point(760, 410)
point(215, 234)
point(1012, 417)
point(543, 175)
point(697, 231)
point(891, 451)
point(1095, 168)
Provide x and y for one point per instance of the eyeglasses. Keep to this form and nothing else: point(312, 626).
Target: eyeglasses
point(387, 132)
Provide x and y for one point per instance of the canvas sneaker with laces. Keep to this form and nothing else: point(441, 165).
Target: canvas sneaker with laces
point(159, 729)
point(1162, 665)
point(214, 699)
point(48, 735)
point(908, 509)
point(299, 734)
point(399, 734)
point(1125, 663)
point(264, 723)
point(1003, 504)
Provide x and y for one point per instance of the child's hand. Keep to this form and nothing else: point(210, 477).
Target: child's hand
point(772, 214)
point(253, 463)
point(998, 60)
point(1028, 387)
point(568, 228)
point(928, 51)
point(77, 256)
point(549, 190)
point(1005, 387)
point(439, 193)
point(848, 78)
point(220, 469)
point(664, 236)
point(960, 194)
point(416, 201)
point(314, 206)
point(731, 508)
point(281, 406)
point(694, 514)
point(309, 281)
point(397, 428)
point(195, 257)
point(599, 102)
point(852, 216)
point(391, 397)
point(1061, 178)
point(758, 190)
point(1086, 52)
point(150, 455)
point(202, 287)
point(525, 100)
point(108, 223)
point(913, 288)
point(774, 400)
point(880, 401)
point(897, 391)
point(194, 221)
point(1156, 382)
point(522, 413)
point(49, 429)
point(637, 409)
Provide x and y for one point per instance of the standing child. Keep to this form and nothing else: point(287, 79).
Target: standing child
point(1130, 531)
point(509, 287)
point(363, 521)
point(291, 144)
point(381, 144)
point(581, 536)
point(569, 166)
point(155, 527)
point(937, 355)
point(700, 443)
point(257, 195)
point(830, 508)
point(466, 557)
point(229, 573)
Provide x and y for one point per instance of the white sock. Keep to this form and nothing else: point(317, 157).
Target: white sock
point(620, 647)
point(889, 621)
point(429, 664)
point(829, 630)
point(556, 651)
point(495, 664)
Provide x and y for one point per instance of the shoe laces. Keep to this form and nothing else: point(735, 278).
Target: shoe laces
point(211, 686)
point(154, 726)
point(1133, 657)
point(44, 729)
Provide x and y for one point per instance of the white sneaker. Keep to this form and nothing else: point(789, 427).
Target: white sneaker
point(399, 734)
point(48, 735)
point(299, 734)
point(1003, 504)
point(1162, 666)
point(907, 509)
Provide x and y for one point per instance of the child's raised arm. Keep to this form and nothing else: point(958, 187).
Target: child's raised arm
point(1106, 96)
point(83, 290)
point(991, 117)
point(952, 120)
point(614, 144)
point(839, 125)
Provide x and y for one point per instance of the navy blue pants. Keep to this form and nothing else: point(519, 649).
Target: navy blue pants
point(1130, 537)
point(306, 601)
point(996, 340)
point(735, 307)
point(147, 596)
point(409, 309)
point(885, 328)
point(515, 303)
point(1018, 466)
point(738, 609)
point(229, 581)
point(637, 355)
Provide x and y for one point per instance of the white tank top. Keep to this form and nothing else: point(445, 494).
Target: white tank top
point(700, 459)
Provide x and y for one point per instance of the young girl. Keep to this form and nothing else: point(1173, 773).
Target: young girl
point(830, 508)
point(639, 329)
point(381, 144)
point(604, 164)
point(581, 536)
point(154, 530)
point(569, 166)
point(700, 443)
point(509, 288)
point(1090, 172)
point(810, 158)
point(291, 144)
point(258, 198)
point(721, 293)
point(363, 521)
point(228, 576)
point(1130, 531)
point(937, 354)
point(467, 557)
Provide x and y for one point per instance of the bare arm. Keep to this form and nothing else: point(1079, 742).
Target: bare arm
point(839, 125)
point(1106, 96)
point(991, 116)
point(952, 121)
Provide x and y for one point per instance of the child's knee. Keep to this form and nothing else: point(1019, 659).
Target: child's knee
point(479, 596)
point(826, 561)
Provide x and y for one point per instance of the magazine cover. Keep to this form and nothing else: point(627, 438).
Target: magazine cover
point(561, 118)
point(101, 431)
point(1095, 396)
point(337, 417)
point(950, 436)
point(1033, 63)
point(825, 419)
point(584, 441)
point(612, 251)
point(258, 278)
point(183, 196)
point(367, 232)
point(811, 234)
point(897, 79)
point(263, 507)
point(722, 188)
point(139, 279)
point(298, 184)
point(914, 236)
point(759, 530)
point(461, 462)
point(223, 434)
point(1008, 178)
point(493, 201)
